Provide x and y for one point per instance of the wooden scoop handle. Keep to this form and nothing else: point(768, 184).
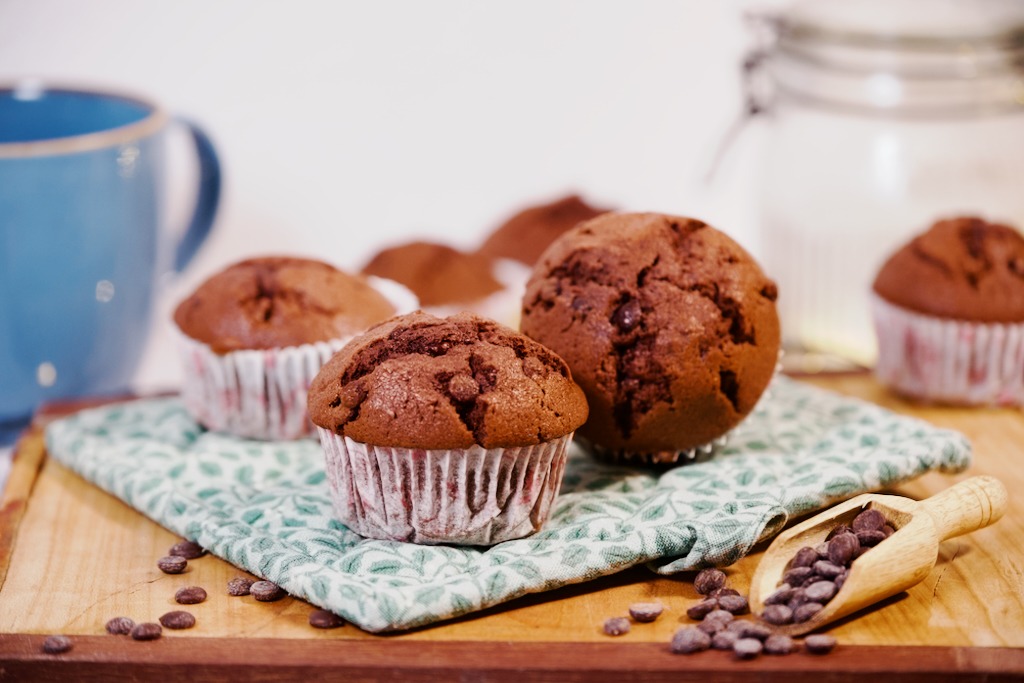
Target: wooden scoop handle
point(970, 505)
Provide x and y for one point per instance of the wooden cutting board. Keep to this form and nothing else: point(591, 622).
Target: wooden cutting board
point(72, 557)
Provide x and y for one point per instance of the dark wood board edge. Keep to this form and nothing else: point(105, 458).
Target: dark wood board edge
point(201, 660)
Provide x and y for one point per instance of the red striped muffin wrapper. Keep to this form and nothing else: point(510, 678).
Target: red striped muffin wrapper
point(471, 496)
point(949, 361)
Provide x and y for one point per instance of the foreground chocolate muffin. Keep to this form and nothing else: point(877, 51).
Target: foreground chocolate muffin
point(252, 337)
point(949, 314)
point(526, 235)
point(668, 325)
point(445, 430)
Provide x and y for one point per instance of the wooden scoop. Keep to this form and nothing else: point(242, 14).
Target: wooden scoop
point(900, 561)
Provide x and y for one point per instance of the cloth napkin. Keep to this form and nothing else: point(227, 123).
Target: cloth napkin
point(264, 506)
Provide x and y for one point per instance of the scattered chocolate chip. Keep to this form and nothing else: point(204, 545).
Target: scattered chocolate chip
point(819, 643)
point(702, 609)
point(178, 619)
point(616, 626)
point(779, 644)
point(321, 618)
point(821, 591)
point(120, 626)
point(719, 592)
point(266, 591)
point(646, 612)
point(239, 585)
point(715, 621)
point(841, 549)
point(749, 629)
point(737, 604)
point(781, 595)
point(747, 648)
point(187, 549)
point(868, 520)
point(172, 564)
point(804, 557)
point(806, 611)
point(147, 631)
point(708, 580)
point(627, 316)
point(55, 645)
point(724, 640)
point(690, 639)
point(777, 614)
point(190, 595)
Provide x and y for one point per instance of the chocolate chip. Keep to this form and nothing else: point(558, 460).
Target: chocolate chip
point(747, 648)
point(821, 591)
point(819, 643)
point(321, 618)
point(147, 631)
point(838, 531)
point(353, 394)
point(737, 604)
point(708, 580)
point(715, 621)
point(779, 644)
point(719, 592)
point(804, 557)
point(781, 595)
point(841, 549)
point(55, 645)
point(646, 612)
point(178, 619)
point(187, 549)
point(828, 570)
point(240, 585)
point(690, 639)
point(627, 316)
point(888, 530)
point(463, 388)
point(616, 626)
point(799, 597)
point(172, 564)
point(868, 520)
point(777, 614)
point(724, 640)
point(797, 575)
point(120, 626)
point(702, 609)
point(840, 580)
point(805, 612)
point(871, 537)
point(266, 591)
point(190, 595)
point(745, 628)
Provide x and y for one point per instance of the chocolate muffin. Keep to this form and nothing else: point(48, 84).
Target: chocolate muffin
point(668, 325)
point(526, 235)
point(437, 274)
point(252, 337)
point(949, 314)
point(449, 430)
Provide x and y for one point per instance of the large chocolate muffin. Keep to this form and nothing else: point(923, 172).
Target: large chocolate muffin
point(526, 235)
point(417, 381)
point(668, 325)
point(279, 301)
point(437, 274)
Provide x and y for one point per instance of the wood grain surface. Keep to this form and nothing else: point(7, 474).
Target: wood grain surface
point(72, 557)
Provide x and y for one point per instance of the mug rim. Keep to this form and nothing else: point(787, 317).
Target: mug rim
point(153, 121)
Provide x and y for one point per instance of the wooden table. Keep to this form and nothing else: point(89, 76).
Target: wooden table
point(72, 556)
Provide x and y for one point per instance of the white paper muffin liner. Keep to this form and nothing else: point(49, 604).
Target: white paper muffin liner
point(471, 496)
point(949, 361)
point(261, 393)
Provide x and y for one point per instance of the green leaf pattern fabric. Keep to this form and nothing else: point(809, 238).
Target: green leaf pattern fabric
point(264, 506)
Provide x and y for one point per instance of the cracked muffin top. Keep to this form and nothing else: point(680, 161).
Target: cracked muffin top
point(961, 268)
point(418, 381)
point(436, 273)
point(668, 325)
point(279, 301)
point(526, 235)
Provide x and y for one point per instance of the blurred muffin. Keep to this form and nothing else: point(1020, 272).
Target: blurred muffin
point(447, 430)
point(526, 235)
point(949, 314)
point(667, 324)
point(253, 336)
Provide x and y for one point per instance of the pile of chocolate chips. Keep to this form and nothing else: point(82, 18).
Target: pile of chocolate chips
point(815, 575)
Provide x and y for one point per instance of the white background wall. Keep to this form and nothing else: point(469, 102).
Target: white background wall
point(346, 125)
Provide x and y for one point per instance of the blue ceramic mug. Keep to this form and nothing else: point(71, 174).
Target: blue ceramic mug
point(82, 200)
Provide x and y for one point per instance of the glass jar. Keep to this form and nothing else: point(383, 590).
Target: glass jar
point(883, 116)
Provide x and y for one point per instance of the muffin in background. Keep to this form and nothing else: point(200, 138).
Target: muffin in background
point(667, 324)
point(253, 336)
point(524, 236)
point(949, 315)
point(449, 430)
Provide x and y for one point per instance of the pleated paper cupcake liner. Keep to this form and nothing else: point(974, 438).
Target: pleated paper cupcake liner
point(472, 496)
point(949, 361)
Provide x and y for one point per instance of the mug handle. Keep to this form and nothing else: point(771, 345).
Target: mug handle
point(207, 198)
